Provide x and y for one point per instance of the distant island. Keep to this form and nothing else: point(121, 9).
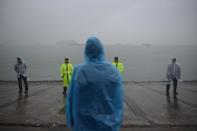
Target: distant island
point(68, 42)
point(146, 44)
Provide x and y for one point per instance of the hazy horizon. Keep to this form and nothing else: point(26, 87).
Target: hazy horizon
point(158, 22)
point(141, 63)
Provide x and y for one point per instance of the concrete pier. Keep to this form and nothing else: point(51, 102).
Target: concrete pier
point(146, 107)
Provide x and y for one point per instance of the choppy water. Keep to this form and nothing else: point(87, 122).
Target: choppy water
point(141, 63)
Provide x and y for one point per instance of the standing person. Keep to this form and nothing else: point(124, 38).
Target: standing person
point(173, 74)
point(118, 64)
point(66, 70)
point(20, 69)
point(95, 96)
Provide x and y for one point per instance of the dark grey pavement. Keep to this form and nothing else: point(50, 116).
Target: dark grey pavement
point(145, 108)
point(20, 128)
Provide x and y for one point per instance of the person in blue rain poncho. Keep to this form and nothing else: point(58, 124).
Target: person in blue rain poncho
point(95, 96)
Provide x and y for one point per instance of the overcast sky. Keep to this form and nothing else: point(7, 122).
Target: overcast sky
point(113, 21)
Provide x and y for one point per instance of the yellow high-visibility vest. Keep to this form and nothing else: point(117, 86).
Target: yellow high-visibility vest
point(66, 71)
point(119, 66)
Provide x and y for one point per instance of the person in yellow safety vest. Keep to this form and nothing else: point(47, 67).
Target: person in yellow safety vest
point(118, 65)
point(66, 71)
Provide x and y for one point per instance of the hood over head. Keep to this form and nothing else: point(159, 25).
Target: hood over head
point(94, 51)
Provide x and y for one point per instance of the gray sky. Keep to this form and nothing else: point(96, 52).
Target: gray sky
point(113, 21)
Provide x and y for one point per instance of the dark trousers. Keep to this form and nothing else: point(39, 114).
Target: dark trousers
point(175, 82)
point(64, 90)
point(20, 83)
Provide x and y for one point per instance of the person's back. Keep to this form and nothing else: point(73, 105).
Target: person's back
point(173, 71)
point(173, 74)
point(95, 97)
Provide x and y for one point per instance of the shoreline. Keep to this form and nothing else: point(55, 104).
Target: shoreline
point(57, 81)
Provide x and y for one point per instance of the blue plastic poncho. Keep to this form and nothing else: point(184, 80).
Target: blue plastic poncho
point(95, 96)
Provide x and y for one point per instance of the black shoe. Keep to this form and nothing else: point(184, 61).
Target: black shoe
point(167, 94)
point(26, 94)
point(175, 97)
point(175, 93)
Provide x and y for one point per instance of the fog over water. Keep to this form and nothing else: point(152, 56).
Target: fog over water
point(142, 63)
point(145, 34)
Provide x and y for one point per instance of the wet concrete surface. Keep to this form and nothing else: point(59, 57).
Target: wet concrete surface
point(20, 128)
point(146, 107)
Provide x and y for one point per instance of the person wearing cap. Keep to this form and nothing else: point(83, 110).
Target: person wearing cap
point(118, 64)
point(66, 70)
point(173, 75)
point(20, 68)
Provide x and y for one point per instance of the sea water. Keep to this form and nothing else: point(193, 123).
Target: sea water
point(141, 62)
